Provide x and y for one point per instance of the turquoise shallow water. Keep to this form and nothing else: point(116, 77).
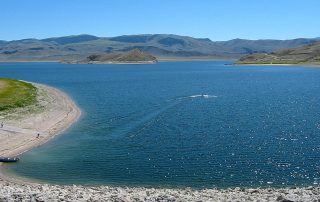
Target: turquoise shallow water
point(146, 125)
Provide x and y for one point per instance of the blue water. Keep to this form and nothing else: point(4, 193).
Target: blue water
point(144, 125)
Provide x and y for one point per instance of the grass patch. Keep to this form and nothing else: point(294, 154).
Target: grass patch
point(15, 94)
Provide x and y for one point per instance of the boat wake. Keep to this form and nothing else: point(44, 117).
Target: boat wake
point(142, 122)
point(149, 118)
point(203, 96)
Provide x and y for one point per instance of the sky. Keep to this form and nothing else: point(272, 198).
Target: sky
point(215, 19)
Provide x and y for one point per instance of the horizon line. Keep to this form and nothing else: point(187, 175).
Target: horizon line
point(74, 35)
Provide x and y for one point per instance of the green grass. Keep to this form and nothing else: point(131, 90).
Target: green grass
point(14, 94)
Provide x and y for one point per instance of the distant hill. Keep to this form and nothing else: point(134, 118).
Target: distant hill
point(71, 39)
point(160, 45)
point(133, 56)
point(308, 54)
point(264, 46)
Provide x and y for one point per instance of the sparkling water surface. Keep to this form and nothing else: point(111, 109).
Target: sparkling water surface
point(180, 124)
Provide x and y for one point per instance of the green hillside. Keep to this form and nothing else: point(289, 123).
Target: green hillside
point(14, 93)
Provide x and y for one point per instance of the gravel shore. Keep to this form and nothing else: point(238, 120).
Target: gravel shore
point(10, 191)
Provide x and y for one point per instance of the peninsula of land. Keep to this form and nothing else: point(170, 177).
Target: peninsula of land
point(32, 114)
point(135, 56)
point(304, 55)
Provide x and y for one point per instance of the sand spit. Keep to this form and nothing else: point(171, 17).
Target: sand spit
point(53, 113)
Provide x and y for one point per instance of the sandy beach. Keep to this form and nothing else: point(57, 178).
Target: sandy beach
point(54, 113)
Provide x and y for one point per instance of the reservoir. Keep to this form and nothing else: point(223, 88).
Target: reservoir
point(197, 124)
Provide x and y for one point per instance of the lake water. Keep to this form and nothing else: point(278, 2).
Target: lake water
point(178, 124)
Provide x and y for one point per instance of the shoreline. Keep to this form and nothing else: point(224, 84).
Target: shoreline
point(160, 59)
point(21, 191)
point(298, 65)
point(112, 63)
point(59, 113)
point(20, 133)
point(26, 61)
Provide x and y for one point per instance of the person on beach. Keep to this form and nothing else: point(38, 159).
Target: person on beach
point(38, 135)
point(1, 124)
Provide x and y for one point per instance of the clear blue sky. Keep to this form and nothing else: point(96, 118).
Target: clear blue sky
point(214, 19)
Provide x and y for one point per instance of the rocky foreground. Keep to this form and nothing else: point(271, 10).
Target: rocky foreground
point(10, 191)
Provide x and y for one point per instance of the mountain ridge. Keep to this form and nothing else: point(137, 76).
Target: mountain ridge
point(75, 47)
